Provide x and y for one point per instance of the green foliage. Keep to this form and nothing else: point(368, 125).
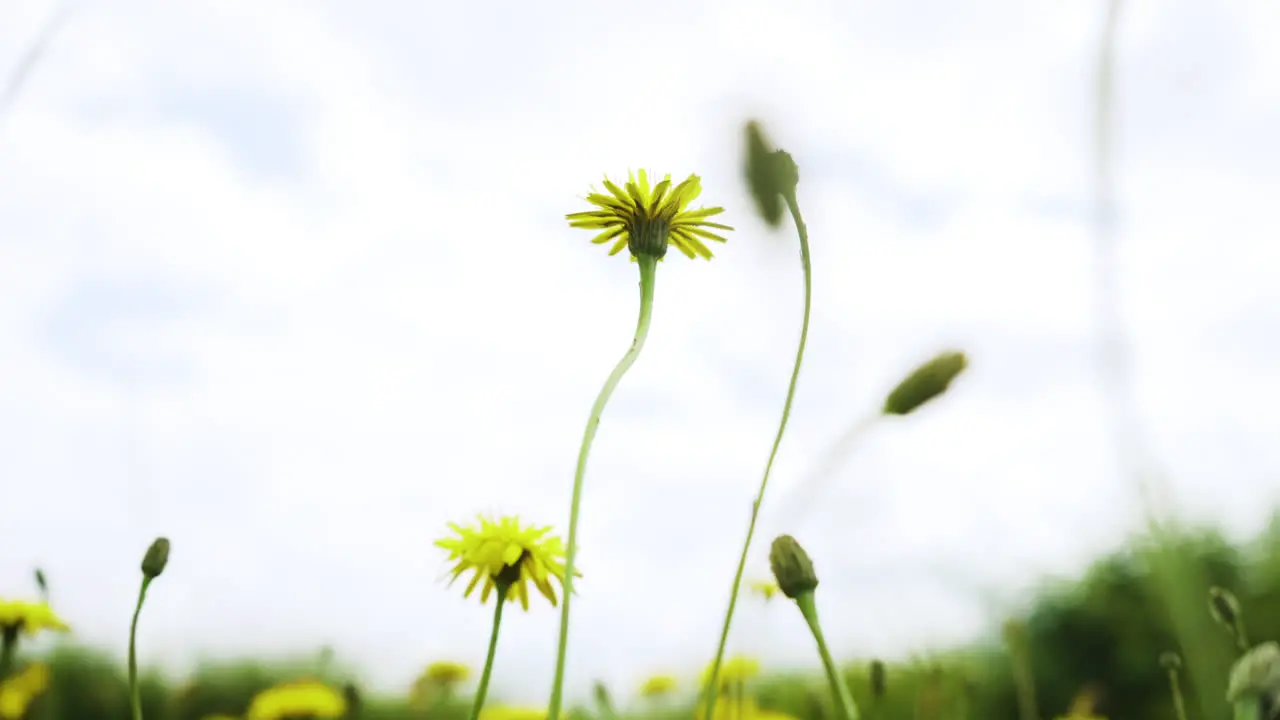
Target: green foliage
point(1106, 631)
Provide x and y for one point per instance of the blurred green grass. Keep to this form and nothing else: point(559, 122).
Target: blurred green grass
point(1104, 630)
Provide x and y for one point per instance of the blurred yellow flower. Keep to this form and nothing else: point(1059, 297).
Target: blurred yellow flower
point(495, 547)
point(729, 708)
point(734, 670)
point(28, 617)
point(447, 672)
point(21, 688)
point(506, 712)
point(764, 588)
point(658, 685)
point(306, 698)
point(648, 219)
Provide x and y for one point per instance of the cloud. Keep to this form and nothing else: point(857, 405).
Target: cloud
point(292, 285)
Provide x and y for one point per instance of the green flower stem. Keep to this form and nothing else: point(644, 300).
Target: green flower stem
point(648, 271)
point(773, 453)
point(482, 690)
point(1175, 689)
point(135, 693)
point(839, 688)
point(8, 646)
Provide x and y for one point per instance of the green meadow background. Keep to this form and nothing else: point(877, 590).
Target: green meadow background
point(1104, 631)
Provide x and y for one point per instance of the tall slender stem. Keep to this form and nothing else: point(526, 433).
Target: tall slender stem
point(648, 271)
point(135, 693)
point(839, 688)
point(482, 691)
point(773, 453)
point(8, 647)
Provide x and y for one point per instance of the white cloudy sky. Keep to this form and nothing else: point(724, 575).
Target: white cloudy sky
point(290, 283)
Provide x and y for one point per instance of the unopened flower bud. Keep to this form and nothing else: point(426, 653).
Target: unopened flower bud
point(1256, 673)
point(351, 694)
point(1171, 661)
point(771, 174)
point(792, 567)
point(1224, 608)
point(878, 681)
point(157, 557)
point(41, 582)
point(925, 383)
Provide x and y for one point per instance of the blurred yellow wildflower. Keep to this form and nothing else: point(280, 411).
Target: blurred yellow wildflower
point(729, 708)
point(734, 670)
point(29, 617)
point(646, 219)
point(21, 688)
point(764, 588)
point(507, 712)
point(447, 672)
point(524, 552)
point(658, 685)
point(307, 698)
point(1083, 705)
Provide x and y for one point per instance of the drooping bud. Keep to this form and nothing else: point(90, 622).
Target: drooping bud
point(760, 175)
point(351, 695)
point(1225, 610)
point(43, 584)
point(925, 383)
point(1170, 661)
point(157, 557)
point(604, 700)
point(792, 567)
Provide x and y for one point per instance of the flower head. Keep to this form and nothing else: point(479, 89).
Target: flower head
point(507, 712)
point(306, 698)
point(29, 617)
point(647, 219)
point(447, 672)
point(19, 690)
point(734, 670)
point(658, 685)
point(764, 588)
point(504, 550)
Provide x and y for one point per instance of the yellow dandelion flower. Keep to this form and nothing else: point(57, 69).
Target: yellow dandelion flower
point(29, 617)
point(730, 708)
point(734, 670)
point(658, 685)
point(503, 547)
point(764, 588)
point(648, 219)
point(447, 672)
point(509, 712)
point(21, 689)
point(306, 698)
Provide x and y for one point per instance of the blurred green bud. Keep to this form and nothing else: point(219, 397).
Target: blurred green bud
point(41, 582)
point(792, 567)
point(925, 383)
point(603, 699)
point(1224, 608)
point(1256, 674)
point(351, 694)
point(877, 678)
point(1171, 661)
point(157, 557)
point(771, 174)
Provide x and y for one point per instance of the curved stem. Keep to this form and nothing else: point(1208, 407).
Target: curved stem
point(648, 271)
point(839, 688)
point(135, 693)
point(482, 691)
point(773, 453)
